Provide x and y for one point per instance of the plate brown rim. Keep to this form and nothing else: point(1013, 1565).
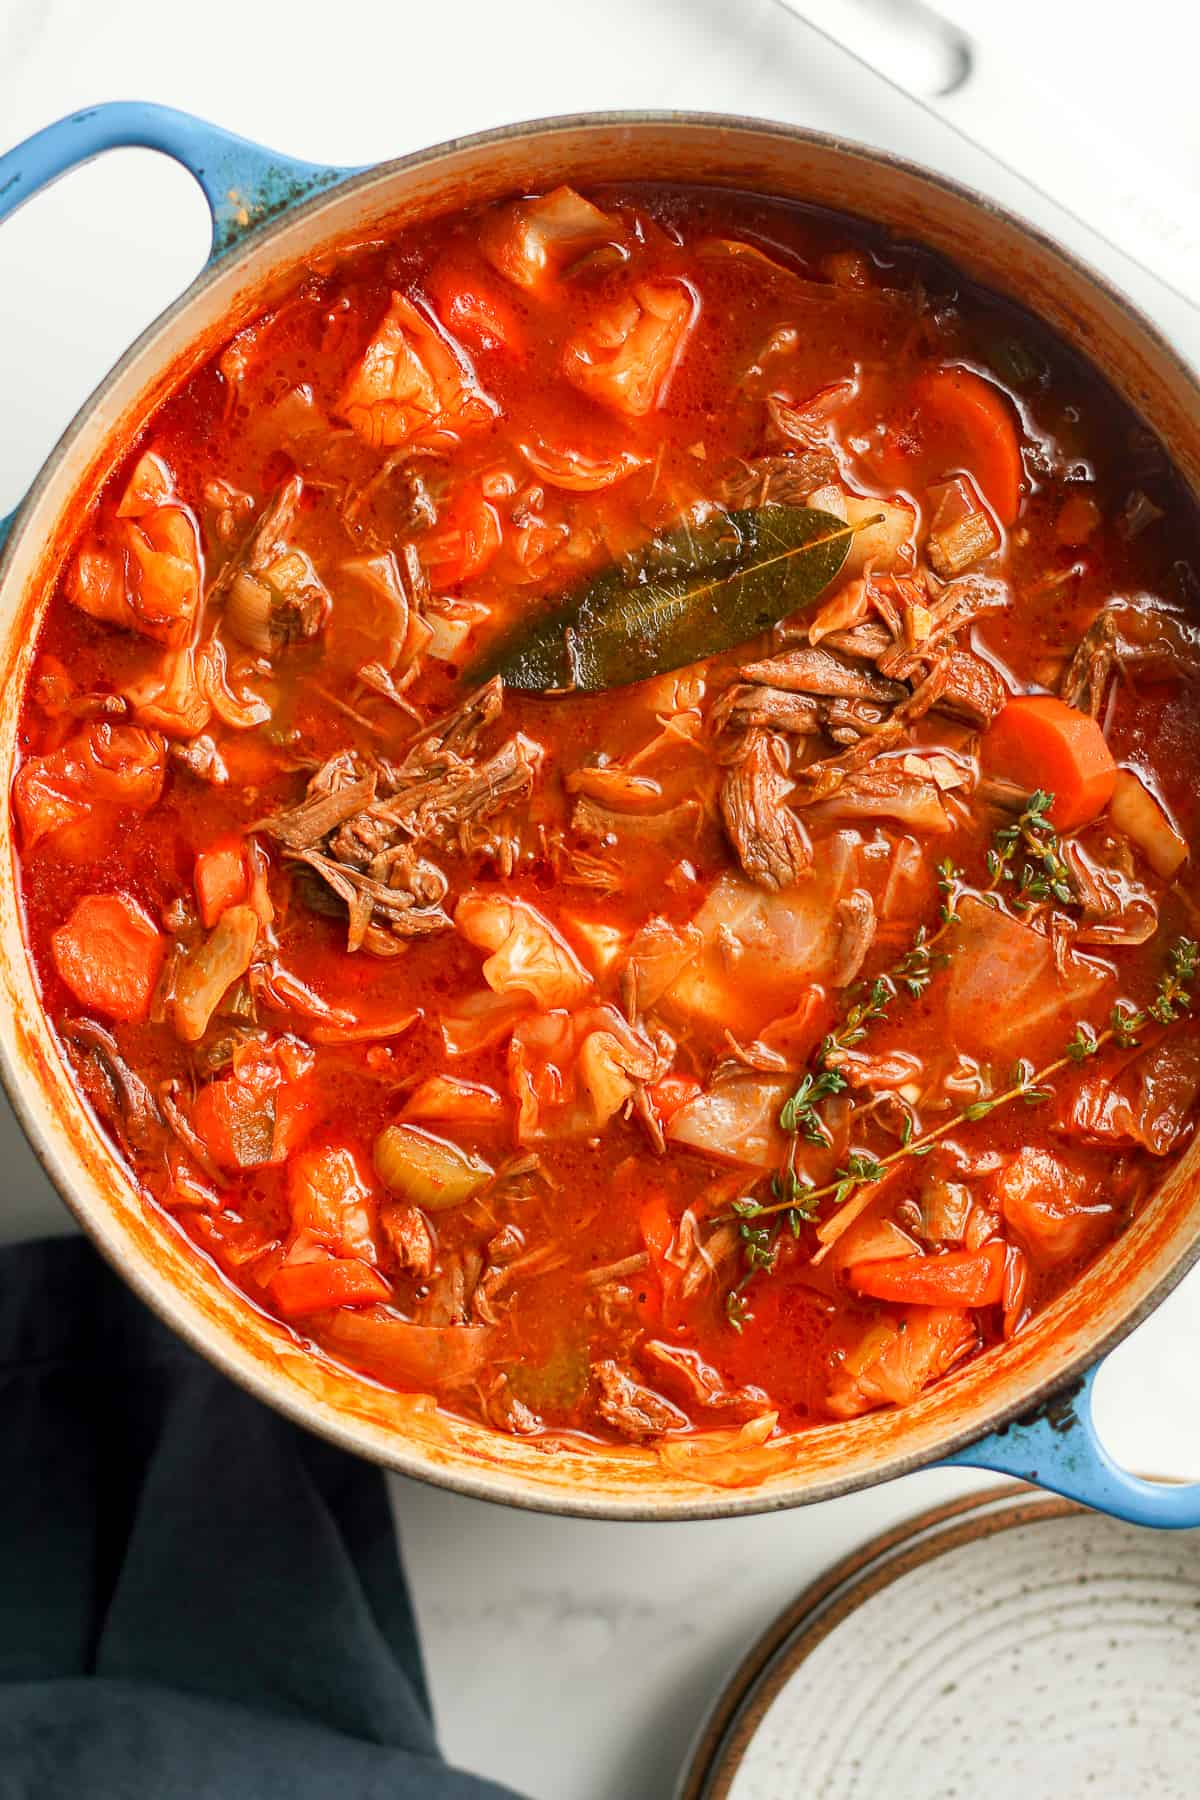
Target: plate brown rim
point(738, 1712)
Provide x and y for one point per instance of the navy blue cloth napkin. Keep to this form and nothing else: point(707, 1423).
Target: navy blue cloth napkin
point(198, 1600)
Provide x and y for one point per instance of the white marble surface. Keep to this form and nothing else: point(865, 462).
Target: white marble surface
point(571, 1659)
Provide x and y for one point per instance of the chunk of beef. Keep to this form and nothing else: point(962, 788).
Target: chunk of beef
point(771, 844)
point(746, 705)
point(695, 1380)
point(635, 1411)
point(329, 802)
point(960, 604)
point(815, 669)
point(782, 480)
point(973, 692)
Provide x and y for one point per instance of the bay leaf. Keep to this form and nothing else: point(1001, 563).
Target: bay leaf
point(702, 590)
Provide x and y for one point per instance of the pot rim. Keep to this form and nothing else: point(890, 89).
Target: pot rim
point(499, 1485)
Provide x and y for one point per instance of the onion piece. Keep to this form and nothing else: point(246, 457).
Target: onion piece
point(577, 473)
point(736, 1121)
point(426, 1356)
point(427, 1170)
point(880, 545)
point(1137, 812)
point(240, 711)
point(205, 974)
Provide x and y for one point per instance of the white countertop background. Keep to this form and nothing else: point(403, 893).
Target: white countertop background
point(571, 1659)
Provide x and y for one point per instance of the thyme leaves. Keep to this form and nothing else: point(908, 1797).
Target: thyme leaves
point(1027, 1085)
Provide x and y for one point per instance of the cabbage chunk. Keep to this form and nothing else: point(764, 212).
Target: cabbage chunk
point(1050, 1208)
point(527, 954)
point(759, 952)
point(898, 1358)
point(412, 382)
point(572, 1073)
point(735, 1121)
point(532, 240)
point(141, 571)
point(108, 764)
point(332, 1204)
point(1005, 997)
point(626, 356)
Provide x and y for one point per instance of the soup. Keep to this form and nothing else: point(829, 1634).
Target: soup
point(604, 814)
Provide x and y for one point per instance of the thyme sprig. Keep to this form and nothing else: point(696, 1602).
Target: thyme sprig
point(760, 1250)
point(1029, 1085)
point(1043, 876)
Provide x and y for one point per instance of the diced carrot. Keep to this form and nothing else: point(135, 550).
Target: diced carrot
point(969, 425)
point(960, 1278)
point(298, 1289)
point(109, 953)
point(471, 311)
point(1039, 741)
point(220, 878)
point(672, 1092)
point(468, 538)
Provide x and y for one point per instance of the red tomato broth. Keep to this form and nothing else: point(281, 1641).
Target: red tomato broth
point(523, 1259)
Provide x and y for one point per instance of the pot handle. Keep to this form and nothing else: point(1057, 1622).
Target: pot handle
point(1056, 1447)
point(244, 183)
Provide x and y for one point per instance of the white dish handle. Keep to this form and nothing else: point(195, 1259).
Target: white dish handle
point(1085, 164)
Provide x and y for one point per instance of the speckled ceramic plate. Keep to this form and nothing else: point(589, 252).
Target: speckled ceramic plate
point(1001, 1646)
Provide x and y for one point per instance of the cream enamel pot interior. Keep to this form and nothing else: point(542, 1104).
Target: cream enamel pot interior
point(1023, 1408)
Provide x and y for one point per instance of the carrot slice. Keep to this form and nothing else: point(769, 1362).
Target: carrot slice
point(960, 1278)
point(1041, 742)
point(298, 1289)
point(970, 424)
point(220, 878)
point(109, 953)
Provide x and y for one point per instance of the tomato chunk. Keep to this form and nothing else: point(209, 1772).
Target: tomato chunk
point(1039, 741)
point(220, 878)
point(469, 538)
point(298, 1289)
point(471, 310)
point(259, 1112)
point(670, 1093)
point(960, 1278)
point(109, 953)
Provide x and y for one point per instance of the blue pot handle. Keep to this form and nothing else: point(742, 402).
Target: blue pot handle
point(1056, 1447)
point(244, 183)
